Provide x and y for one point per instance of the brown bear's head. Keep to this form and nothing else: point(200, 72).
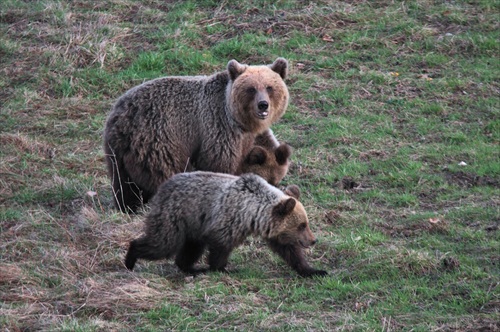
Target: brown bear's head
point(290, 225)
point(270, 164)
point(257, 95)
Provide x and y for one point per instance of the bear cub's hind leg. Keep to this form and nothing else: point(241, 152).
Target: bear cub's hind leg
point(141, 248)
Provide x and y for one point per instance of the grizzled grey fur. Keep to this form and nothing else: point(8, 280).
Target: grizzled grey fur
point(171, 124)
point(192, 211)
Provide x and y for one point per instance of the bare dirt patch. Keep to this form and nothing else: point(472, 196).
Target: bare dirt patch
point(468, 180)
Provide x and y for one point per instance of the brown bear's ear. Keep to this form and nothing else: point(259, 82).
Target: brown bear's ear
point(293, 191)
point(282, 153)
point(257, 156)
point(280, 66)
point(235, 69)
point(284, 208)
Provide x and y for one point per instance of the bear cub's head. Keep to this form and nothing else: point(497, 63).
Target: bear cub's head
point(290, 222)
point(270, 164)
point(257, 95)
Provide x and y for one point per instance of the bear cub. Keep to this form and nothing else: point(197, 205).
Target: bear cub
point(269, 163)
point(198, 210)
point(163, 126)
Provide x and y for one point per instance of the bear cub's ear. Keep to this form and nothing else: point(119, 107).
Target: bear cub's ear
point(282, 153)
point(293, 191)
point(257, 156)
point(285, 207)
point(280, 66)
point(235, 69)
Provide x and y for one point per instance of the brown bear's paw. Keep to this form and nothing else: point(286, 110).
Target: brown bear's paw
point(313, 273)
point(219, 269)
point(194, 271)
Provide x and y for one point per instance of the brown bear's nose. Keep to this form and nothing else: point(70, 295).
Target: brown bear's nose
point(313, 242)
point(263, 105)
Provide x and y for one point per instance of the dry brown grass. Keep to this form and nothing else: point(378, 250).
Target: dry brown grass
point(81, 272)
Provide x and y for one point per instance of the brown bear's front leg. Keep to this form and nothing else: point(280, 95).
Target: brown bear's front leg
point(293, 255)
point(188, 256)
point(218, 257)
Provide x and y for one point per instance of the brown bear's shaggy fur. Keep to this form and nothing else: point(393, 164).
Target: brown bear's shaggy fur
point(159, 128)
point(192, 211)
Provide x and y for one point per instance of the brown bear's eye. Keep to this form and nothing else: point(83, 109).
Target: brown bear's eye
point(302, 227)
point(269, 89)
point(251, 91)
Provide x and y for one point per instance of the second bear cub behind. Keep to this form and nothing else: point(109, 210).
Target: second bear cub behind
point(192, 211)
point(270, 163)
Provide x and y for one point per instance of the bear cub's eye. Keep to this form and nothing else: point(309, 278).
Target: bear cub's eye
point(302, 226)
point(251, 91)
point(269, 89)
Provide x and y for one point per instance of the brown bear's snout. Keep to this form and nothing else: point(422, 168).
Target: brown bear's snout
point(263, 105)
point(312, 241)
point(309, 240)
point(307, 243)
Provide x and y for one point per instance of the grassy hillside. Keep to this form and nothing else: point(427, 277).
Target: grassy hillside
point(395, 124)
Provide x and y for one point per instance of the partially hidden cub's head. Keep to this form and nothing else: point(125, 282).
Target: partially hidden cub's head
point(289, 224)
point(270, 164)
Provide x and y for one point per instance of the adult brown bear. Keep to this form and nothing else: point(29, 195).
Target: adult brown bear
point(170, 124)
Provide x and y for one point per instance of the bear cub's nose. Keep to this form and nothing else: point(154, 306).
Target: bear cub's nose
point(263, 105)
